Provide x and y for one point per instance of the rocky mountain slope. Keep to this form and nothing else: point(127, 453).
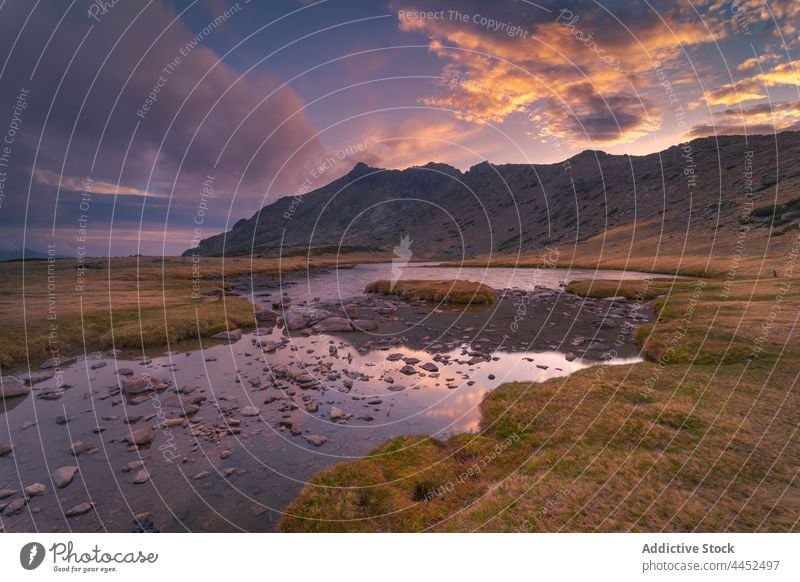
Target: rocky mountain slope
point(700, 187)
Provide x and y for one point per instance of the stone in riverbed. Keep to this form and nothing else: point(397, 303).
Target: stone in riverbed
point(7, 493)
point(142, 436)
point(12, 387)
point(141, 384)
point(408, 370)
point(333, 324)
point(63, 476)
point(141, 477)
point(79, 509)
point(80, 448)
point(57, 363)
point(338, 414)
point(15, 507)
point(299, 317)
point(35, 489)
point(429, 367)
point(316, 439)
point(365, 324)
point(266, 315)
point(233, 335)
point(5, 449)
point(250, 411)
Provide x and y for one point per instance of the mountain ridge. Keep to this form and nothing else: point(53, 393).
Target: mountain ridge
point(517, 208)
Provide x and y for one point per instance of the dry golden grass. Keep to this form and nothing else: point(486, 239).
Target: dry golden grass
point(704, 437)
point(445, 291)
point(149, 300)
point(642, 246)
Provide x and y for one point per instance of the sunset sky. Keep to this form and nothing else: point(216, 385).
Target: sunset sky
point(253, 96)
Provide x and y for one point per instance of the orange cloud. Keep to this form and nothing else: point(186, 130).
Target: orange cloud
point(754, 87)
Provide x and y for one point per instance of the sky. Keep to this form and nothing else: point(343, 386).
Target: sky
point(138, 126)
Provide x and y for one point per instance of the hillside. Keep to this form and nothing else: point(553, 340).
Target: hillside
point(684, 192)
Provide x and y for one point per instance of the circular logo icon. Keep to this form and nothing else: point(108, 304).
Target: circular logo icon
point(31, 555)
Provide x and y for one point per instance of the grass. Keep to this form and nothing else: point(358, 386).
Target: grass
point(133, 303)
point(645, 246)
point(702, 437)
point(439, 291)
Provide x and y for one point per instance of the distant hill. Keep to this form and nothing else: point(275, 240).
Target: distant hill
point(18, 253)
point(516, 208)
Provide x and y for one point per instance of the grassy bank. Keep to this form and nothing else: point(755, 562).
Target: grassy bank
point(129, 303)
point(702, 437)
point(460, 292)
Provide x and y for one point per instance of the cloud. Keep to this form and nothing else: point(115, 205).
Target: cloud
point(755, 87)
point(761, 118)
point(424, 139)
point(577, 73)
point(142, 101)
point(73, 184)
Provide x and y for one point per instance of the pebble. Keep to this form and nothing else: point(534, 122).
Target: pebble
point(64, 475)
point(79, 509)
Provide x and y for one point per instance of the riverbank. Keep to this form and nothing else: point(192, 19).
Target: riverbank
point(702, 437)
point(66, 308)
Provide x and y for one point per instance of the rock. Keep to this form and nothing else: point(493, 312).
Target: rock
point(201, 475)
point(316, 439)
point(395, 388)
point(79, 509)
point(173, 422)
point(141, 477)
point(299, 317)
point(408, 370)
point(15, 506)
point(333, 324)
point(394, 357)
point(141, 384)
point(411, 361)
point(133, 465)
point(365, 324)
point(604, 324)
point(80, 448)
point(338, 414)
point(491, 376)
point(98, 365)
point(64, 475)
point(616, 299)
point(36, 377)
point(5, 449)
point(266, 315)
point(250, 411)
point(142, 436)
point(57, 363)
point(233, 335)
point(570, 357)
point(35, 489)
point(429, 367)
point(12, 387)
point(125, 372)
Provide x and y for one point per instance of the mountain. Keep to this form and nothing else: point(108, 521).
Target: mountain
point(14, 252)
point(698, 186)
